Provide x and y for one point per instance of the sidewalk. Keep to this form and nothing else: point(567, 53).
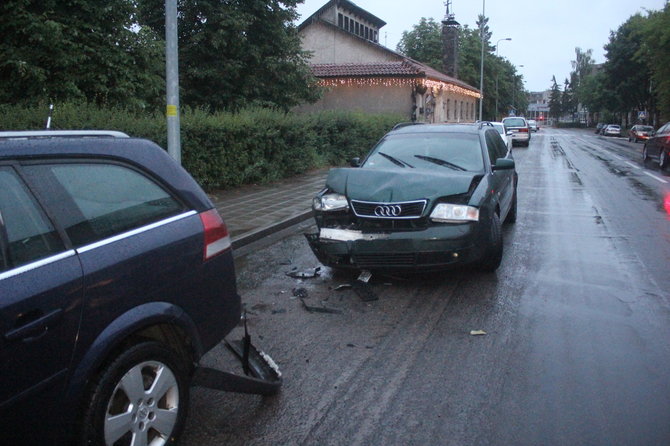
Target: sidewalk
point(253, 212)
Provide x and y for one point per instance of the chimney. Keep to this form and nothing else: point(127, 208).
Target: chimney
point(450, 42)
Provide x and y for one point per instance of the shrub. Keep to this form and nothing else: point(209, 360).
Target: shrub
point(223, 150)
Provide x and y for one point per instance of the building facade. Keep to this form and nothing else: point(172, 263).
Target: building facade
point(357, 73)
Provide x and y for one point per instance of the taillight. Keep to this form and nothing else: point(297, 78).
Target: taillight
point(523, 130)
point(217, 239)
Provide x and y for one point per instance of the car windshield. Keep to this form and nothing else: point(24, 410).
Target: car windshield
point(514, 122)
point(452, 151)
point(645, 128)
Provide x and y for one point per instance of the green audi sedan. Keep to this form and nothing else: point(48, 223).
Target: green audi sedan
point(427, 197)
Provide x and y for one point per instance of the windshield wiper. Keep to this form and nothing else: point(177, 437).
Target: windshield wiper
point(440, 162)
point(395, 160)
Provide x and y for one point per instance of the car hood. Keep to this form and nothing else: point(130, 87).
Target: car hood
point(393, 185)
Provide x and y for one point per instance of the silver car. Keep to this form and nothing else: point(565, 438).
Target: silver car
point(505, 134)
point(519, 128)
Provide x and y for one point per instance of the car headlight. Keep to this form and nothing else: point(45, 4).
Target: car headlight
point(330, 202)
point(454, 213)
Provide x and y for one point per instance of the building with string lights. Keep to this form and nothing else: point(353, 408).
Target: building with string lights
point(359, 74)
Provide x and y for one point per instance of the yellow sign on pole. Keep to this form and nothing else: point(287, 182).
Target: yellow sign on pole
point(171, 110)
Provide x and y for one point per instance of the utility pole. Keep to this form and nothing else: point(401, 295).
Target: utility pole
point(172, 80)
point(481, 68)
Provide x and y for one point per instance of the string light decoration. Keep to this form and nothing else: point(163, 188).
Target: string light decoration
point(436, 86)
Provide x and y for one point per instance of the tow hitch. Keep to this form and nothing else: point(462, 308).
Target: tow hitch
point(262, 374)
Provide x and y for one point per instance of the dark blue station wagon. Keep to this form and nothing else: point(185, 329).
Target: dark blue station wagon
point(116, 276)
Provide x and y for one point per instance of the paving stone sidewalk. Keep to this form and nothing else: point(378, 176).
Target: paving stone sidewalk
point(256, 211)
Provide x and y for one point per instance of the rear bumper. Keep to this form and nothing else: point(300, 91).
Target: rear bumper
point(434, 248)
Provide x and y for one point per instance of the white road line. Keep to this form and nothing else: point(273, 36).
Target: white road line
point(655, 177)
point(632, 165)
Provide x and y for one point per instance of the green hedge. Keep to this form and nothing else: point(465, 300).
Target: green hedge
point(223, 150)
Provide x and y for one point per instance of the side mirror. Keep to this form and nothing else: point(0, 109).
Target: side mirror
point(503, 164)
point(355, 162)
point(509, 133)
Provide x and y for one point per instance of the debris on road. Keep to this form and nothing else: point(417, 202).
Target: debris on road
point(364, 291)
point(342, 287)
point(364, 276)
point(477, 332)
point(314, 309)
point(300, 292)
point(308, 274)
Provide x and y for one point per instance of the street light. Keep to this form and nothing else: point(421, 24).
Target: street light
point(498, 76)
point(481, 68)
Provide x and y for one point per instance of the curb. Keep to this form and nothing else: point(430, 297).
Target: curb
point(257, 234)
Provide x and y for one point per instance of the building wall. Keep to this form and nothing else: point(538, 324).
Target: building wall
point(369, 99)
point(330, 45)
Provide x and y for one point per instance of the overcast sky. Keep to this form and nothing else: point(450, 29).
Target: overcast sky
point(544, 32)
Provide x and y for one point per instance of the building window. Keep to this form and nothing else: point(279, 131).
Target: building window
point(448, 109)
point(346, 23)
point(376, 40)
point(367, 33)
point(462, 110)
point(356, 28)
point(340, 20)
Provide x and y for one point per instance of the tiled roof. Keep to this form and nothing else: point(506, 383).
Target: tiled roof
point(400, 68)
point(404, 68)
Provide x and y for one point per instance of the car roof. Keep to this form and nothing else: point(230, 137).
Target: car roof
point(25, 134)
point(440, 128)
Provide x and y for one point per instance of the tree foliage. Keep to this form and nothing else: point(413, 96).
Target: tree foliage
point(501, 80)
point(237, 53)
point(555, 103)
point(86, 50)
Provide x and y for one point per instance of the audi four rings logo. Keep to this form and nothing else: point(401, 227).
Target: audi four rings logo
point(388, 211)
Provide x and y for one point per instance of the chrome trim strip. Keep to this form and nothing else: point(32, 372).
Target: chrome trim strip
point(129, 234)
point(37, 264)
point(424, 202)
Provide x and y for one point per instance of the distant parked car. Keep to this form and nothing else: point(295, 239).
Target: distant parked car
point(658, 146)
point(505, 134)
point(600, 127)
point(519, 128)
point(640, 132)
point(533, 125)
point(612, 130)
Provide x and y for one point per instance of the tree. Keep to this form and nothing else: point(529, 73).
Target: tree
point(555, 106)
point(77, 50)
point(423, 43)
point(655, 52)
point(236, 53)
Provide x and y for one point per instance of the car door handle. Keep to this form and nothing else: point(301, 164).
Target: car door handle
point(36, 326)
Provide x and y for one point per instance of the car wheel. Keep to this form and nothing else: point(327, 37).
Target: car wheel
point(645, 154)
point(663, 159)
point(494, 250)
point(511, 215)
point(141, 397)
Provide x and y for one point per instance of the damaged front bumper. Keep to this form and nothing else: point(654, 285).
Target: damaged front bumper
point(433, 248)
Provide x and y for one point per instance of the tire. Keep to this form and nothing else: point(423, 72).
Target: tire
point(645, 154)
point(511, 215)
point(158, 413)
point(662, 158)
point(494, 250)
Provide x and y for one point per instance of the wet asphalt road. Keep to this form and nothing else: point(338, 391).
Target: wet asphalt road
point(577, 318)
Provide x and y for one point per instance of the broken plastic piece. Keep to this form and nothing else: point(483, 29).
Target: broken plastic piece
point(477, 332)
point(364, 276)
point(364, 291)
point(313, 309)
point(342, 287)
point(300, 292)
point(309, 274)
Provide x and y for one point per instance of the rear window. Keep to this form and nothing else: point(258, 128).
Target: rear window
point(95, 201)
point(514, 122)
point(428, 151)
point(26, 235)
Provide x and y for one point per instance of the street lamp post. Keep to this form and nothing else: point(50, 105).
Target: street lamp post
point(497, 77)
point(481, 68)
